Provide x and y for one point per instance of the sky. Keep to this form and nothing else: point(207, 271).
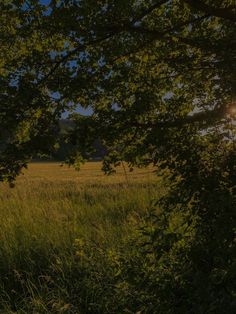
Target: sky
point(45, 2)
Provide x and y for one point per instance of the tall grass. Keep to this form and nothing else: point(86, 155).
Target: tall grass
point(61, 231)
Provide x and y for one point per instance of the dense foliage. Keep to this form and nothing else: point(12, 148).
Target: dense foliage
point(145, 67)
point(160, 78)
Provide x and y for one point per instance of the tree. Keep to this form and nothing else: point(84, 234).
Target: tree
point(123, 59)
point(160, 78)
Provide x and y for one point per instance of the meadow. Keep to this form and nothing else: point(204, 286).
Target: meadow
point(62, 233)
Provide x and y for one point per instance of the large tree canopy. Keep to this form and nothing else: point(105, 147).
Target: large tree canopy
point(147, 68)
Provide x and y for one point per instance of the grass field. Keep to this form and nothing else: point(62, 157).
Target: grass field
point(46, 219)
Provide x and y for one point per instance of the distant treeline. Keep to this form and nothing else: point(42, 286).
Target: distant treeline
point(64, 149)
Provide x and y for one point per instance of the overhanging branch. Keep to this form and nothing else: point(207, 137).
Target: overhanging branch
point(149, 10)
point(225, 13)
point(206, 118)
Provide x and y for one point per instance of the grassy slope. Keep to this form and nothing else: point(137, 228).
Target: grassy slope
point(50, 212)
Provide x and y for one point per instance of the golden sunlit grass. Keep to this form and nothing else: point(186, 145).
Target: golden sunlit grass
point(90, 173)
point(51, 208)
point(49, 198)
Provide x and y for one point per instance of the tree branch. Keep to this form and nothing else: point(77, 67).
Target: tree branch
point(148, 11)
point(206, 118)
point(154, 33)
point(164, 35)
point(70, 54)
point(225, 13)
